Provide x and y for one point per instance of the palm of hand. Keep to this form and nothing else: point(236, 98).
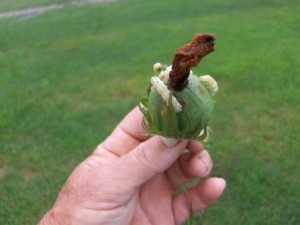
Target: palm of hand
point(130, 179)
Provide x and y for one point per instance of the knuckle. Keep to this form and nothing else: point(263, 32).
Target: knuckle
point(142, 156)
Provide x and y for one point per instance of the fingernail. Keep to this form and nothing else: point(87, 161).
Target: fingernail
point(169, 142)
point(208, 169)
point(222, 182)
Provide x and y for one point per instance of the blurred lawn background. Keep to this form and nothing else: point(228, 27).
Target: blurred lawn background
point(68, 76)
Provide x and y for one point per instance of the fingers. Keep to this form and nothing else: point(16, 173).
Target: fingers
point(199, 197)
point(193, 164)
point(132, 125)
point(148, 159)
point(126, 136)
point(195, 146)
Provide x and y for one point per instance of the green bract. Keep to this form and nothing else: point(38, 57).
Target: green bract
point(190, 121)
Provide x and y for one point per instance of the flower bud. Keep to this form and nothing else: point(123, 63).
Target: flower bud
point(179, 104)
point(178, 114)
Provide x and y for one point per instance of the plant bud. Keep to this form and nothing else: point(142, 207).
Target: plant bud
point(179, 114)
point(179, 104)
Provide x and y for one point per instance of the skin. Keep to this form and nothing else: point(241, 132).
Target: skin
point(130, 179)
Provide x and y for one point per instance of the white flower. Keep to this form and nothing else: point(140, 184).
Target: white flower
point(210, 84)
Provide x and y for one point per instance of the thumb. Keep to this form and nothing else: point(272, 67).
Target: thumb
point(148, 159)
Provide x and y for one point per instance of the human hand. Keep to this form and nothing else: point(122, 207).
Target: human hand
point(130, 179)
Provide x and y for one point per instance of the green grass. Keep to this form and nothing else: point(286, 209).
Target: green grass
point(68, 76)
